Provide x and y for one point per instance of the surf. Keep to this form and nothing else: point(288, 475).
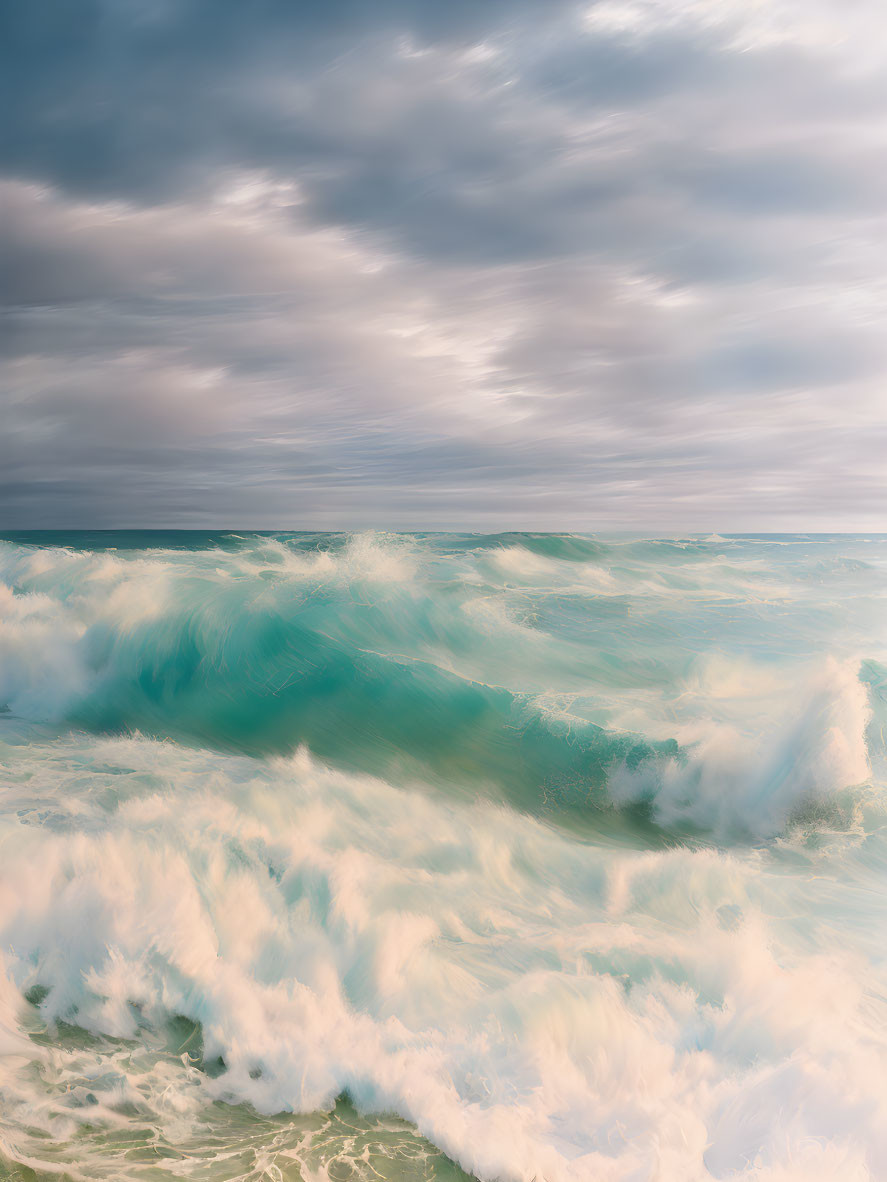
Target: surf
point(463, 854)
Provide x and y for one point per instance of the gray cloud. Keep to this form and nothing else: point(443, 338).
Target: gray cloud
point(431, 265)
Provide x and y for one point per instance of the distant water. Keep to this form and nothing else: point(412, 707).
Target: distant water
point(392, 857)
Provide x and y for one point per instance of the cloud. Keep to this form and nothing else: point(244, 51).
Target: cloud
point(582, 266)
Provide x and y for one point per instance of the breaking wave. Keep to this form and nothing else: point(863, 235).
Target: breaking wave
point(383, 856)
point(383, 657)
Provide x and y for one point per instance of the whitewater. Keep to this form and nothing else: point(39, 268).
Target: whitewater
point(381, 856)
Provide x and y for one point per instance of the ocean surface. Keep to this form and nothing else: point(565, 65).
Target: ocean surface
point(401, 857)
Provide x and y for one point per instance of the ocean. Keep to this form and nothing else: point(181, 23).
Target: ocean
point(404, 857)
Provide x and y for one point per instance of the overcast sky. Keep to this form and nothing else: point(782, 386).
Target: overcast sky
point(444, 263)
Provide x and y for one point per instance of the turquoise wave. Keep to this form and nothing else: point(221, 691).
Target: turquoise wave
point(560, 673)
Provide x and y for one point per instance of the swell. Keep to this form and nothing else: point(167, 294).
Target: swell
point(566, 547)
point(383, 656)
point(265, 674)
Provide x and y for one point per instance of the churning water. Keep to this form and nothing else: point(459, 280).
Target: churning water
point(393, 857)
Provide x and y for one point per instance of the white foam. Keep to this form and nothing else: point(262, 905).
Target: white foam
point(744, 772)
point(538, 1007)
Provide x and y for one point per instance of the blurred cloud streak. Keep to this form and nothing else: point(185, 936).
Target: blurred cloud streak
point(617, 265)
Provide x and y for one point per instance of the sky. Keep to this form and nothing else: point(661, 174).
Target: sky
point(480, 264)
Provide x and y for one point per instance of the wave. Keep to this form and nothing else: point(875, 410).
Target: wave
point(249, 666)
point(570, 860)
point(279, 933)
point(562, 547)
point(366, 655)
point(802, 772)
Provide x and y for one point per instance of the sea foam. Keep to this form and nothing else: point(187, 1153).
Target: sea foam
point(535, 1005)
point(553, 858)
